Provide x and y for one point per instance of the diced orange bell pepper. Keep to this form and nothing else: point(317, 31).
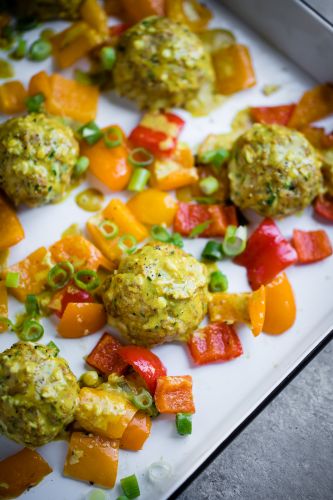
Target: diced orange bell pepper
point(280, 306)
point(105, 358)
point(73, 43)
point(92, 458)
point(94, 14)
point(81, 319)
point(113, 8)
point(233, 68)
point(125, 219)
point(190, 12)
point(174, 394)
point(33, 271)
point(108, 247)
point(21, 471)
point(152, 206)
point(311, 246)
point(109, 165)
point(167, 175)
point(248, 308)
point(12, 97)
point(80, 252)
point(136, 10)
point(315, 104)
point(65, 97)
point(137, 432)
point(183, 155)
point(3, 304)
point(102, 412)
point(11, 230)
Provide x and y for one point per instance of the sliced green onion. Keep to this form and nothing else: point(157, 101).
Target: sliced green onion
point(12, 280)
point(35, 102)
point(31, 331)
point(60, 274)
point(130, 486)
point(123, 243)
point(108, 229)
point(31, 306)
point(90, 378)
point(40, 50)
point(209, 185)
point(90, 132)
point(139, 179)
point(108, 57)
point(212, 251)
point(55, 349)
point(81, 166)
point(199, 229)
point(116, 137)
point(97, 494)
point(234, 242)
point(159, 233)
point(6, 324)
point(216, 157)
point(86, 279)
point(177, 240)
point(143, 400)
point(158, 471)
point(148, 158)
point(218, 282)
point(20, 50)
point(184, 423)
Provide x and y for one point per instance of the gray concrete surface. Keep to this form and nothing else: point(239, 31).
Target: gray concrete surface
point(286, 453)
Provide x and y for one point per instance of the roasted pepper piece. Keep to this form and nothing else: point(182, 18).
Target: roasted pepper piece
point(215, 342)
point(108, 247)
point(152, 206)
point(125, 219)
point(104, 412)
point(280, 306)
point(190, 12)
point(174, 394)
point(266, 255)
point(109, 165)
point(80, 252)
point(248, 308)
point(315, 104)
point(94, 15)
point(66, 295)
point(33, 271)
point(92, 458)
point(145, 363)
point(12, 97)
point(3, 304)
point(81, 319)
point(135, 10)
point(323, 206)
point(168, 174)
point(105, 358)
point(311, 246)
point(268, 115)
point(11, 230)
point(233, 69)
point(189, 216)
point(137, 432)
point(21, 471)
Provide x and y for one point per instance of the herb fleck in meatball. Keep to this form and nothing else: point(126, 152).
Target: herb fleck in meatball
point(38, 394)
point(37, 157)
point(274, 170)
point(158, 294)
point(162, 64)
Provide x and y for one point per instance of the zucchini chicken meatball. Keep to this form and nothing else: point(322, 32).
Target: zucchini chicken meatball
point(38, 394)
point(158, 294)
point(37, 157)
point(274, 170)
point(161, 64)
point(45, 9)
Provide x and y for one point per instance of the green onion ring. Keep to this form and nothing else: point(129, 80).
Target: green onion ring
point(113, 143)
point(60, 274)
point(108, 229)
point(32, 331)
point(86, 279)
point(144, 163)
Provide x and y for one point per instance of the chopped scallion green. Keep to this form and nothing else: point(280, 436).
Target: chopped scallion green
point(212, 251)
point(31, 331)
point(218, 282)
point(108, 229)
point(234, 242)
point(90, 132)
point(130, 486)
point(55, 349)
point(108, 57)
point(40, 50)
point(35, 102)
point(199, 229)
point(140, 157)
point(159, 233)
point(127, 243)
point(20, 50)
point(177, 240)
point(6, 324)
point(209, 185)
point(87, 279)
point(215, 157)
point(31, 306)
point(139, 179)
point(113, 137)
point(184, 423)
point(81, 166)
point(12, 280)
point(143, 400)
point(60, 274)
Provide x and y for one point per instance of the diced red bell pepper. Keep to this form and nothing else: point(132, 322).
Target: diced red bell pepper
point(145, 363)
point(189, 216)
point(105, 358)
point(311, 246)
point(118, 29)
point(157, 132)
point(174, 395)
point(266, 255)
point(215, 342)
point(323, 206)
point(279, 115)
point(70, 293)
